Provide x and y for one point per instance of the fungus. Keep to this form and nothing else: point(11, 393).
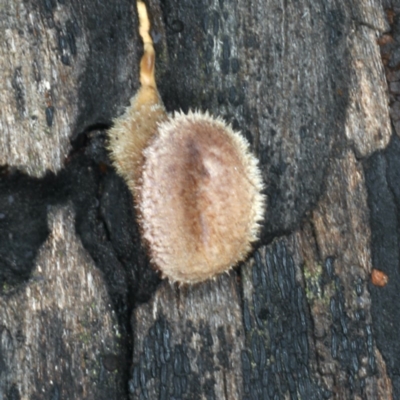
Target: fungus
point(195, 183)
point(379, 278)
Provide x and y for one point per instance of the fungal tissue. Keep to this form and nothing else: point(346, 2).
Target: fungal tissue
point(196, 186)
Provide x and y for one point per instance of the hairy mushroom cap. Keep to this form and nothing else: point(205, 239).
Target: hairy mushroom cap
point(199, 197)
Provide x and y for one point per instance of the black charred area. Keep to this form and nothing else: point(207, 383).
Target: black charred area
point(351, 340)
point(277, 327)
point(24, 204)
point(166, 368)
point(382, 172)
point(107, 84)
point(105, 222)
point(111, 66)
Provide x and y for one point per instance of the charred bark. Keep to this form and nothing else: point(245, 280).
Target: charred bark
point(83, 315)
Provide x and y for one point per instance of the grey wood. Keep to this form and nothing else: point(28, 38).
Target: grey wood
point(304, 82)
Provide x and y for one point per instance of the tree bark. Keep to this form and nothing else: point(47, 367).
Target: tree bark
point(83, 315)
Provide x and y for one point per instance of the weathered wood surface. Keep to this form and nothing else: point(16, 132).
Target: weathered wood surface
point(81, 313)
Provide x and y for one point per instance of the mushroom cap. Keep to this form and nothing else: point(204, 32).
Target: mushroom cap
point(199, 197)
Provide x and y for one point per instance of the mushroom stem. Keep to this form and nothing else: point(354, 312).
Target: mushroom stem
point(147, 64)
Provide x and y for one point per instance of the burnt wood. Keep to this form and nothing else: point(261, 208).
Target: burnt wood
point(83, 315)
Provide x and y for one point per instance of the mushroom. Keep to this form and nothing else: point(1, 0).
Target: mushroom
point(195, 183)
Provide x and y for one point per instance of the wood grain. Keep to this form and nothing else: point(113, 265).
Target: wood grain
point(304, 83)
